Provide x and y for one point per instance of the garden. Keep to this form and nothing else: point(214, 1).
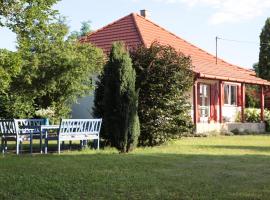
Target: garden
point(142, 100)
point(223, 167)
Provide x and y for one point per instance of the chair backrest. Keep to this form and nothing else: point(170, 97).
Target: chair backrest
point(27, 125)
point(80, 126)
point(8, 127)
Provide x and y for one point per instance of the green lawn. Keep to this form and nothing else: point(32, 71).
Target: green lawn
point(236, 167)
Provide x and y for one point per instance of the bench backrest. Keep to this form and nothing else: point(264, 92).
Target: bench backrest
point(8, 127)
point(80, 126)
point(27, 125)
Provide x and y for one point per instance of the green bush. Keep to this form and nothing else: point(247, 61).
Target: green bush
point(253, 115)
point(164, 79)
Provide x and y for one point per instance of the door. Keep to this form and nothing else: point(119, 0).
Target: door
point(204, 106)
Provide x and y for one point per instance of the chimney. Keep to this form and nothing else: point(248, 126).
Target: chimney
point(144, 13)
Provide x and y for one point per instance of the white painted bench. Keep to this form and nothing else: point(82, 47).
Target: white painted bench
point(76, 130)
point(33, 126)
point(19, 130)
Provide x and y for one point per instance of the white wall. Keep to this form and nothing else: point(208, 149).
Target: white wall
point(83, 109)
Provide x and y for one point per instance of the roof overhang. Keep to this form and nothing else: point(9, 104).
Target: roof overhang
point(213, 77)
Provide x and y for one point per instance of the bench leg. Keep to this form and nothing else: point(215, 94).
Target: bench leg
point(46, 143)
point(17, 146)
point(59, 146)
point(31, 143)
point(40, 143)
point(46, 146)
point(97, 144)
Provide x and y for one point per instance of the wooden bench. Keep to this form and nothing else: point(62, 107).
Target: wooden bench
point(76, 130)
point(20, 130)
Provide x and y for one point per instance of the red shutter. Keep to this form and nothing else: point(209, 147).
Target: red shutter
point(239, 96)
point(213, 102)
point(198, 101)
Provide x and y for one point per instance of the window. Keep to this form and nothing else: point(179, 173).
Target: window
point(204, 101)
point(230, 94)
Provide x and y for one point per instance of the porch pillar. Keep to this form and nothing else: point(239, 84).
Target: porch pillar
point(195, 103)
point(220, 101)
point(243, 101)
point(262, 103)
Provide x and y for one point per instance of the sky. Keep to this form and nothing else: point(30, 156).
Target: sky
point(197, 21)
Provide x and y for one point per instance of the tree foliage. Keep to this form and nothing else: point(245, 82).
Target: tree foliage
point(85, 29)
point(252, 96)
point(121, 122)
point(264, 57)
point(54, 71)
point(164, 78)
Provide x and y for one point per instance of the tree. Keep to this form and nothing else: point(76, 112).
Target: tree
point(54, 71)
point(164, 78)
point(98, 108)
point(120, 100)
point(85, 29)
point(264, 56)
point(10, 66)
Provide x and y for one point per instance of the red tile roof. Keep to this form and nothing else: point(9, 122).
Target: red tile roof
point(136, 30)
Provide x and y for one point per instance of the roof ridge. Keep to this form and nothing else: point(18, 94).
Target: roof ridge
point(137, 27)
point(204, 51)
point(102, 28)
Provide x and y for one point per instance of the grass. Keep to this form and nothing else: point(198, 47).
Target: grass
point(236, 167)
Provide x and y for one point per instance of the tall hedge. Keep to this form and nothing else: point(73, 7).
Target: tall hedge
point(121, 123)
point(164, 78)
point(264, 57)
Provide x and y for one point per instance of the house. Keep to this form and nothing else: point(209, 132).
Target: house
point(218, 92)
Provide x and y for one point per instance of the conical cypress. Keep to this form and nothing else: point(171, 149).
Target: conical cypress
point(264, 57)
point(120, 100)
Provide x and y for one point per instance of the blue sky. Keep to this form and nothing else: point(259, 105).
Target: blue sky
point(197, 21)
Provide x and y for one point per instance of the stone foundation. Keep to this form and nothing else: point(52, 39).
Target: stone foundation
point(231, 126)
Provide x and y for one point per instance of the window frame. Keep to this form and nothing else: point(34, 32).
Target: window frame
point(208, 96)
point(230, 94)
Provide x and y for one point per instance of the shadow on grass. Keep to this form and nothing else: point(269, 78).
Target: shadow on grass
point(52, 147)
point(234, 147)
point(135, 176)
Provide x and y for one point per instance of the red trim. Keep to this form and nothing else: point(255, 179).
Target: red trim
point(213, 102)
point(195, 103)
point(198, 102)
point(239, 96)
point(229, 79)
point(262, 103)
point(243, 102)
point(221, 101)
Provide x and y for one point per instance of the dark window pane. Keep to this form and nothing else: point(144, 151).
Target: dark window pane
point(233, 95)
point(226, 94)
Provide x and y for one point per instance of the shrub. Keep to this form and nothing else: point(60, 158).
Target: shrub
point(252, 96)
point(120, 100)
point(253, 115)
point(164, 79)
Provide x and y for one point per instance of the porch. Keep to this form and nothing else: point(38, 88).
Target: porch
point(218, 102)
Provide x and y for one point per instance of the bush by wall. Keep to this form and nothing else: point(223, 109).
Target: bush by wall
point(253, 115)
point(164, 79)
